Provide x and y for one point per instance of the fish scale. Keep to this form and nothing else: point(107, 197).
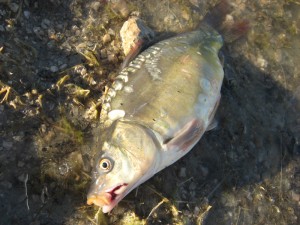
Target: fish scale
point(159, 76)
point(156, 110)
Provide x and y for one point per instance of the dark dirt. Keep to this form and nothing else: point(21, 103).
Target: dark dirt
point(54, 65)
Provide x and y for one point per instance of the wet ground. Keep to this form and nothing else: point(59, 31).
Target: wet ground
point(56, 58)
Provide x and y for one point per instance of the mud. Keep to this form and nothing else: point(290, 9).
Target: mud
point(56, 57)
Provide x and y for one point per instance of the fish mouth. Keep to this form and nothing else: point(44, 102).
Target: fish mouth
point(109, 198)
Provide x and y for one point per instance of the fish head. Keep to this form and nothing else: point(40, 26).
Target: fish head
point(127, 158)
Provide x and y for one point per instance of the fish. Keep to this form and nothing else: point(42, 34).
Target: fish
point(154, 113)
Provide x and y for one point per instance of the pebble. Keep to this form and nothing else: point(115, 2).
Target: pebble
point(35, 223)
point(295, 196)
point(132, 30)
point(38, 31)
point(20, 164)
point(96, 5)
point(106, 38)
point(7, 144)
point(13, 7)
point(6, 184)
point(111, 32)
point(2, 28)
point(182, 172)
point(120, 7)
point(43, 128)
point(204, 170)
point(63, 66)
point(22, 177)
point(261, 62)
point(103, 53)
point(53, 69)
point(111, 57)
point(63, 169)
point(26, 14)
point(45, 23)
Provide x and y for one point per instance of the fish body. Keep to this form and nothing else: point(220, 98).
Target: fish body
point(156, 110)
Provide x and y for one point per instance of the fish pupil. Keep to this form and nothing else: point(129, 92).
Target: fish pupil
point(104, 165)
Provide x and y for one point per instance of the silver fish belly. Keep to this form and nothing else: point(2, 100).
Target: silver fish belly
point(156, 110)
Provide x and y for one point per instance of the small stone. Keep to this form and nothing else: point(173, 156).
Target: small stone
point(295, 196)
point(43, 128)
point(261, 62)
point(103, 53)
point(63, 66)
point(95, 5)
point(20, 164)
point(22, 177)
point(63, 169)
point(35, 223)
point(13, 7)
point(204, 171)
point(53, 69)
point(2, 28)
point(192, 186)
point(7, 144)
point(38, 31)
point(111, 32)
point(196, 211)
point(106, 38)
point(182, 172)
point(45, 23)
point(26, 14)
point(134, 29)
point(6, 184)
point(51, 33)
point(111, 58)
point(120, 6)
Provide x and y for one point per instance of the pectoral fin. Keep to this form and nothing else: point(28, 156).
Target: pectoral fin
point(187, 137)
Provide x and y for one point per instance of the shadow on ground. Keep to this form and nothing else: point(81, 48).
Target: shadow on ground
point(238, 167)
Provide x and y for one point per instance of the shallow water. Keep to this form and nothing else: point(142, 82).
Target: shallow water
point(244, 172)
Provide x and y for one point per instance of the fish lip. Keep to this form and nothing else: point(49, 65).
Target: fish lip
point(109, 198)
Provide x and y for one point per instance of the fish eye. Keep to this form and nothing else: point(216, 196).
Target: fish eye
point(105, 164)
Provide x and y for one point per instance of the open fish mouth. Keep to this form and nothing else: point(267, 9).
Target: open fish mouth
point(108, 199)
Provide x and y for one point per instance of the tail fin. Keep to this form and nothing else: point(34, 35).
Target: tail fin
point(230, 31)
point(216, 16)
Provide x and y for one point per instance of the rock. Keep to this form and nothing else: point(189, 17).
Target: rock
point(22, 177)
point(204, 170)
point(111, 32)
point(120, 7)
point(103, 53)
point(13, 7)
point(7, 145)
point(134, 29)
point(20, 164)
point(6, 184)
point(45, 23)
point(63, 66)
point(295, 196)
point(111, 57)
point(106, 38)
point(26, 14)
point(95, 5)
point(182, 172)
point(38, 32)
point(53, 69)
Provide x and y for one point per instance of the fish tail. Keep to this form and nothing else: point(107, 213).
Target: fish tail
point(230, 31)
point(216, 16)
point(235, 31)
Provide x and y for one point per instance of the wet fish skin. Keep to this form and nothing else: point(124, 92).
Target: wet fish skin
point(155, 112)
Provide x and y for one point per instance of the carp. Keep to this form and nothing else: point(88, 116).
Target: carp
point(155, 111)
